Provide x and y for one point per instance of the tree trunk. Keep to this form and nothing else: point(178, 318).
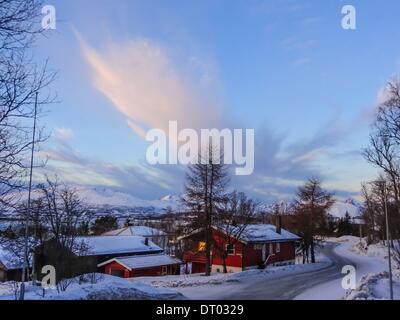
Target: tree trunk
point(208, 250)
point(224, 263)
point(312, 251)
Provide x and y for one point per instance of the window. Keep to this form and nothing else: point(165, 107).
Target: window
point(271, 248)
point(278, 247)
point(258, 247)
point(164, 271)
point(230, 249)
point(202, 246)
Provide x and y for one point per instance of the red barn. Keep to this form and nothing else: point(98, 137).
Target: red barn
point(142, 266)
point(256, 246)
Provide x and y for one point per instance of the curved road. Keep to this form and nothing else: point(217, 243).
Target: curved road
point(288, 287)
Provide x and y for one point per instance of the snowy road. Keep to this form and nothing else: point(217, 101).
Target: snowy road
point(321, 281)
point(324, 283)
point(289, 287)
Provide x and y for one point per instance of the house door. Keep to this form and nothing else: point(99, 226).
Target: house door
point(264, 252)
point(117, 273)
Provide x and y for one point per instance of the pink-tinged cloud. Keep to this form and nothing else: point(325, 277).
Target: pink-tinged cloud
point(148, 88)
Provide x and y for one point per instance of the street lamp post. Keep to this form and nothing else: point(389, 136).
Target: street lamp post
point(388, 241)
point(25, 268)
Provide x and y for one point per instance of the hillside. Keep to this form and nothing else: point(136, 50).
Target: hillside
point(339, 209)
point(105, 201)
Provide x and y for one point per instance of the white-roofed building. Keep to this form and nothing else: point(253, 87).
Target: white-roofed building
point(157, 236)
point(140, 266)
point(93, 250)
point(11, 265)
point(115, 245)
point(240, 248)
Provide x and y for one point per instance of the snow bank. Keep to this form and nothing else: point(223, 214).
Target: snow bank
point(376, 287)
point(107, 288)
point(197, 280)
point(367, 261)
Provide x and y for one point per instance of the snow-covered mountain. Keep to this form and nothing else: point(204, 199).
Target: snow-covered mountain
point(340, 208)
point(104, 200)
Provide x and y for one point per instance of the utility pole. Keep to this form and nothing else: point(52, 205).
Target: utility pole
point(25, 268)
point(388, 241)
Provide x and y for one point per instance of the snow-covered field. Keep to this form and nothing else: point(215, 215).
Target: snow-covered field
point(106, 288)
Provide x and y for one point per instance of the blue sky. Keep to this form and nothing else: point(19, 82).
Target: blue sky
point(285, 68)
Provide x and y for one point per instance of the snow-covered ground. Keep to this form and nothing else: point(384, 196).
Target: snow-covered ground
point(368, 261)
point(106, 288)
point(219, 285)
point(376, 286)
point(288, 282)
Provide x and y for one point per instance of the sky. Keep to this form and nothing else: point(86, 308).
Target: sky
point(286, 69)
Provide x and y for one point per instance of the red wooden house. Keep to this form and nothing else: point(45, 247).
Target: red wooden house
point(142, 266)
point(257, 246)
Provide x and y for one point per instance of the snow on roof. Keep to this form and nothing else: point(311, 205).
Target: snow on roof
point(103, 245)
point(147, 261)
point(254, 233)
point(9, 260)
point(143, 231)
point(264, 233)
point(5, 258)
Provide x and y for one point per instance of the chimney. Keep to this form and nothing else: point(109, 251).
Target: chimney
point(279, 224)
point(146, 241)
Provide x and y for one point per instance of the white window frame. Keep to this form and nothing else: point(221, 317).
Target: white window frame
point(278, 247)
point(233, 248)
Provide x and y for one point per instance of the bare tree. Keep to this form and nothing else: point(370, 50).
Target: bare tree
point(20, 80)
point(233, 220)
point(19, 23)
point(373, 211)
point(63, 213)
point(205, 193)
point(384, 152)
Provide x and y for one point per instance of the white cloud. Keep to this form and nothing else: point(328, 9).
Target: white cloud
point(148, 88)
point(63, 134)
